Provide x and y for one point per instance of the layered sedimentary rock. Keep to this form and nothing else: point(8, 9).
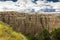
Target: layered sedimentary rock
point(30, 23)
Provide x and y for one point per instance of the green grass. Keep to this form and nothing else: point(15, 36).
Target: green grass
point(6, 33)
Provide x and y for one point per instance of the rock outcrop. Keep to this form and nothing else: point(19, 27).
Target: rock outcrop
point(30, 23)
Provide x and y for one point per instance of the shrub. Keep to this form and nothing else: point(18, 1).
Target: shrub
point(44, 35)
point(6, 33)
point(30, 37)
point(56, 34)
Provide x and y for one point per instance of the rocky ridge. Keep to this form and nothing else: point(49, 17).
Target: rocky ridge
point(30, 23)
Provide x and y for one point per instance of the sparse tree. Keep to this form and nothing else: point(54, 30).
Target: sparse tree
point(56, 34)
point(44, 35)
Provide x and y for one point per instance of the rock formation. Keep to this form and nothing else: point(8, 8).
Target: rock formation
point(30, 23)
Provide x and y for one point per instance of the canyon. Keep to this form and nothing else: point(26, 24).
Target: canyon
point(31, 23)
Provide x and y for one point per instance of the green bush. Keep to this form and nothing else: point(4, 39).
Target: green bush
point(30, 37)
point(56, 34)
point(44, 35)
point(6, 33)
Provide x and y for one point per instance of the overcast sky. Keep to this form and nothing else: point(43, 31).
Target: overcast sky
point(54, 0)
point(6, 0)
point(35, 0)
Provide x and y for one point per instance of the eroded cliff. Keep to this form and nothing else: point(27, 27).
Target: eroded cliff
point(30, 23)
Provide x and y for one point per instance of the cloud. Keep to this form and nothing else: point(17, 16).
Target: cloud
point(28, 6)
